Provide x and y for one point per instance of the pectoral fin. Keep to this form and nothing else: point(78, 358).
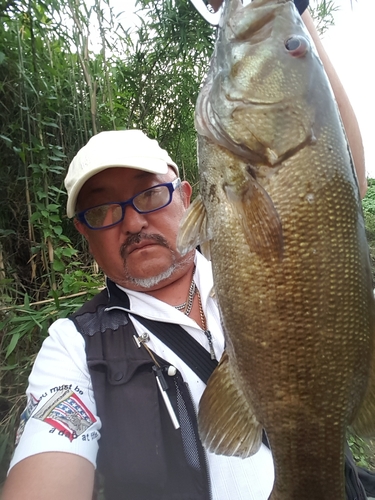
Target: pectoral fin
point(258, 217)
point(227, 424)
point(193, 229)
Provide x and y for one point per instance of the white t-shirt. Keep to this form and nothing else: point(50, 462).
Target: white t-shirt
point(61, 410)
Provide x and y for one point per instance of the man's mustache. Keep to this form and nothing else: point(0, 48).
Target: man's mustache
point(135, 239)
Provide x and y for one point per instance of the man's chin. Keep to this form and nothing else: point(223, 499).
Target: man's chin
point(158, 272)
point(150, 282)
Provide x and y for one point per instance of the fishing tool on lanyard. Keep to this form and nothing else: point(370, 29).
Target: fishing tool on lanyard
point(206, 11)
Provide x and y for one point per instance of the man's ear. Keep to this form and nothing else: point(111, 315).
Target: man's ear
point(186, 193)
point(81, 228)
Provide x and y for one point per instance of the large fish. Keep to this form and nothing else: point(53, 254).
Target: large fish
point(279, 214)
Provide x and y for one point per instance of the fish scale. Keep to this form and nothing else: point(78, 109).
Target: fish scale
point(279, 215)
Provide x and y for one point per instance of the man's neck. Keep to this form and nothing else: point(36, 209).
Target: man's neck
point(177, 293)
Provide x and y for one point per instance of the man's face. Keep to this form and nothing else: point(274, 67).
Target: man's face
point(140, 252)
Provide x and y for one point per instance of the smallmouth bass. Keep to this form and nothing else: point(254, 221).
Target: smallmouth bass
point(279, 214)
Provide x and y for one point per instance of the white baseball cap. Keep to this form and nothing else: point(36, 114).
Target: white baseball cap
point(115, 148)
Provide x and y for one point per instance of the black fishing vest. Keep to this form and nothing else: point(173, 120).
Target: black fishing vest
point(141, 455)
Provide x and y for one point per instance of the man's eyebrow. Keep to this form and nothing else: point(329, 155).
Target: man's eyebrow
point(142, 174)
point(99, 189)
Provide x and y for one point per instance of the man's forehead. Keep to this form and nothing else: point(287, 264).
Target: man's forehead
point(112, 173)
point(110, 177)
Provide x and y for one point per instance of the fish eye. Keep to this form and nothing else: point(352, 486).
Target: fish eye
point(296, 46)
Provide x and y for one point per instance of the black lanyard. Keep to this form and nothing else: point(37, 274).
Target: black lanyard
point(184, 345)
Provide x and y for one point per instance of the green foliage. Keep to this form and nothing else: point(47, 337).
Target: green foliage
point(363, 451)
point(323, 12)
point(368, 202)
point(368, 205)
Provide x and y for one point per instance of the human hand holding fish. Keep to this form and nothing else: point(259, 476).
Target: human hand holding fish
point(279, 214)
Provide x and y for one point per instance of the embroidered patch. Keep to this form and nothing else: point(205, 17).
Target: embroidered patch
point(32, 402)
point(67, 413)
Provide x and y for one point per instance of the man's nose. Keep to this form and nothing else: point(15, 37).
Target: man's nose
point(133, 222)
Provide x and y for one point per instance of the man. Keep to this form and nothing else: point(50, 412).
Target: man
point(125, 193)
point(137, 251)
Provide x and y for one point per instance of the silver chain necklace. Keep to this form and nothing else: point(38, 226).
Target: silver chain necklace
point(187, 306)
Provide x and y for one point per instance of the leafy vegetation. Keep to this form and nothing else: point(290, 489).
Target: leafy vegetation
point(323, 12)
point(369, 213)
point(61, 81)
